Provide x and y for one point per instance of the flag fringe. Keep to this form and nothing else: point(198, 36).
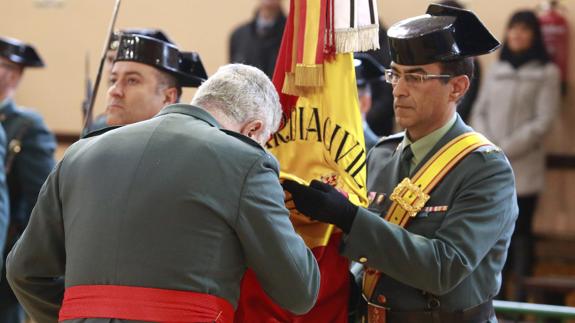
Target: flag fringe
point(357, 39)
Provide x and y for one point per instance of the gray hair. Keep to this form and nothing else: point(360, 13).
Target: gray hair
point(242, 93)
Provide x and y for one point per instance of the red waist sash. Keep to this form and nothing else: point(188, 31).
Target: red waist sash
point(143, 304)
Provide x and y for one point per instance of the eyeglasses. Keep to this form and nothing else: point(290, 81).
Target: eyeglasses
point(392, 77)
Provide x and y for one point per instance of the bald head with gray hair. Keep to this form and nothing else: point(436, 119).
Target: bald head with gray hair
point(243, 99)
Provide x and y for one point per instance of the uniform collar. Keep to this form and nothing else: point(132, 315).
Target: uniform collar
point(7, 107)
point(192, 111)
point(423, 146)
point(6, 103)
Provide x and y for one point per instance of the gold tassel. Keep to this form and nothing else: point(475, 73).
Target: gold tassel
point(309, 75)
point(289, 84)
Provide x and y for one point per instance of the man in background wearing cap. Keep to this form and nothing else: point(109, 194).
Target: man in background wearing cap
point(158, 221)
point(367, 70)
point(147, 74)
point(30, 154)
point(435, 236)
point(4, 201)
point(99, 122)
point(380, 117)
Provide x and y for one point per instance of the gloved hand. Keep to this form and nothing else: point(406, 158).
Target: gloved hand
point(322, 202)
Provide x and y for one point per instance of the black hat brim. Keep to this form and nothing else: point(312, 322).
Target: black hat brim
point(443, 34)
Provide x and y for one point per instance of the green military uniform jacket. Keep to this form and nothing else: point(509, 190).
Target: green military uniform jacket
point(172, 202)
point(456, 255)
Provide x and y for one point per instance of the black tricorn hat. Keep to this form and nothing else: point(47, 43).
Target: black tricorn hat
point(443, 34)
point(191, 64)
point(164, 56)
point(20, 53)
point(150, 32)
point(367, 69)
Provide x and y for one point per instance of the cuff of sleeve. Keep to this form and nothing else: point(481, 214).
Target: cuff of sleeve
point(353, 245)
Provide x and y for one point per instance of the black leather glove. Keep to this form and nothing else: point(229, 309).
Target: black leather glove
point(322, 202)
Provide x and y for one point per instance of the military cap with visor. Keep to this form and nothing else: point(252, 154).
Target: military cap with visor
point(187, 68)
point(443, 34)
point(367, 69)
point(20, 53)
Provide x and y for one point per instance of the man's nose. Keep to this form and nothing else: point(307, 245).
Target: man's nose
point(400, 88)
point(116, 90)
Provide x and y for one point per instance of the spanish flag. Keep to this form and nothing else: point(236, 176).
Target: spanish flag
point(321, 138)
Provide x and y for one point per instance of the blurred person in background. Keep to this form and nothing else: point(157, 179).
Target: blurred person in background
point(257, 42)
point(380, 118)
point(515, 108)
point(367, 71)
point(29, 155)
point(466, 104)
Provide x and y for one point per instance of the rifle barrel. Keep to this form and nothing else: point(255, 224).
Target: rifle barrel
point(101, 66)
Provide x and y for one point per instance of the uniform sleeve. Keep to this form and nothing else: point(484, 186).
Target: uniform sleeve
point(4, 202)
point(483, 212)
point(33, 164)
point(284, 266)
point(547, 103)
point(35, 266)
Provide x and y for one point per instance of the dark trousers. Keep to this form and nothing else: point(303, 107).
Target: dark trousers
point(520, 258)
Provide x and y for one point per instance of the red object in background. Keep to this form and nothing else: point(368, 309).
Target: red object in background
point(555, 31)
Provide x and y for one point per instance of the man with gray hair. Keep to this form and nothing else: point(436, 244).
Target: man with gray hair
point(256, 108)
point(158, 220)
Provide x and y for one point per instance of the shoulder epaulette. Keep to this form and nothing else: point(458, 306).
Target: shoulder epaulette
point(489, 149)
point(243, 138)
point(392, 138)
point(99, 131)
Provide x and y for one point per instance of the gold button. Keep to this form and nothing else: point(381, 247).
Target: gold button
point(363, 260)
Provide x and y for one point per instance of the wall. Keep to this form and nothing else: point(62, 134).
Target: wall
point(68, 30)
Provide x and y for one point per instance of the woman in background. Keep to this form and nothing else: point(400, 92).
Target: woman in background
point(515, 108)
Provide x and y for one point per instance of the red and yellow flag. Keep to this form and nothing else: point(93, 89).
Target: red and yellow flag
point(321, 138)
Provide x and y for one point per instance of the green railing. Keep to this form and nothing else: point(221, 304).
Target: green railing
point(539, 311)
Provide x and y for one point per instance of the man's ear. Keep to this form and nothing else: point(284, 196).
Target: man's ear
point(253, 129)
point(459, 86)
point(170, 95)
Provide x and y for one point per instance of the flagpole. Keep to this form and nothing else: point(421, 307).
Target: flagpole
point(89, 111)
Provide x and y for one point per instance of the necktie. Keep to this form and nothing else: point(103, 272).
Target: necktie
point(405, 162)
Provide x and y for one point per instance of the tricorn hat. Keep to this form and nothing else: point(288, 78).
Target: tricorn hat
point(443, 34)
point(150, 32)
point(191, 64)
point(187, 68)
point(20, 53)
point(367, 69)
